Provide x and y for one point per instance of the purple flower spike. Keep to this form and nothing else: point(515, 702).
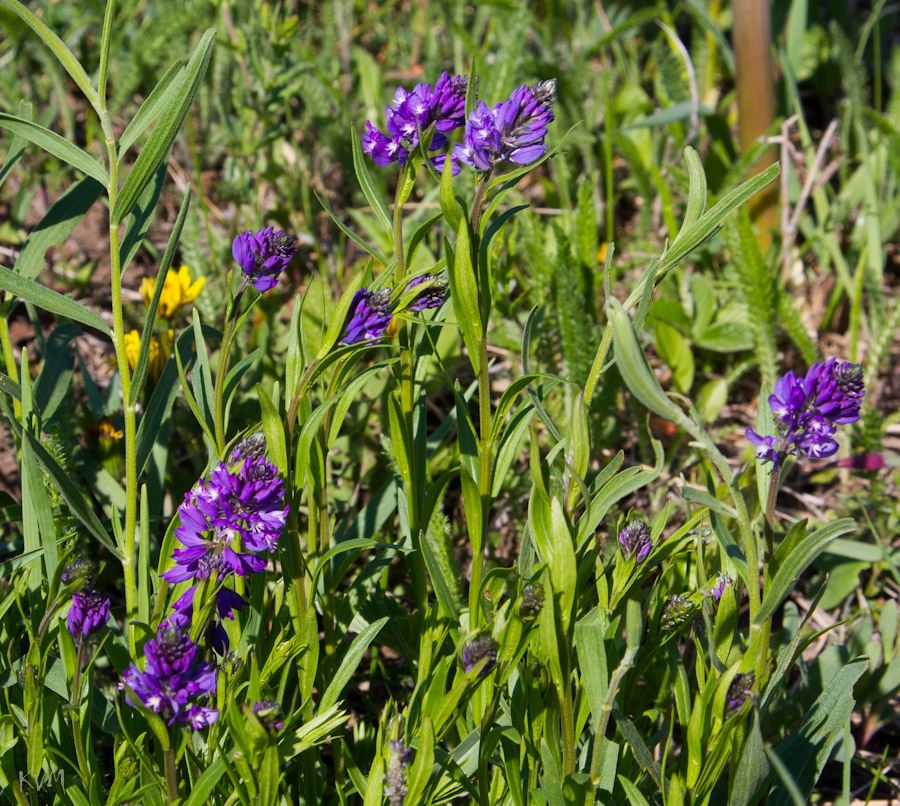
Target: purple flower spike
point(263, 255)
point(738, 692)
point(411, 113)
point(88, 613)
point(809, 409)
point(766, 448)
point(477, 649)
point(721, 582)
point(383, 149)
point(227, 602)
point(635, 541)
point(432, 297)
point(232, 510)
point(513, 131)
point(369, 316)
point(174, 679)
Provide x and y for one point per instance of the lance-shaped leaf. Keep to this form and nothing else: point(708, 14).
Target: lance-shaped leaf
point(56, 145)
point(156, 149)
point(60, 49)
point(49, 300)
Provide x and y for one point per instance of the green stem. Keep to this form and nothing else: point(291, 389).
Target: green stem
point(83, 769)
point(485, 445)
point(9, 357)
point(171, 779)
point(603, 722)
point(131, 486)
point(407, 407)
point(567, 728)
point(222, 371)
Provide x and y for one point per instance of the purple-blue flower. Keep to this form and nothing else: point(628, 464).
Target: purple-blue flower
point(808, 410)
point(174, 679)
point(432, 297)
point(369, 316)
point(383, 149)
point(635, 541)
point(738, 692)
point(88, 613)
point(411, 113)
point(483, 647)
point(227, 602)
point(718, 586)
point(223, 516)
point(513, 131)
point(263, 255)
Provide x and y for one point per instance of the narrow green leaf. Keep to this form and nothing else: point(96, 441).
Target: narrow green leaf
point(203, 787)
point(56, 225)
point(367, 185)
point(273, 427)
point(72, 495)
point(155, 151)
point(140, 370)
point(464, 294)
point(636, 373)
point(349, 663)
point(52, 384)
point(60, 49)
point(16, 145)
point(55, 144)
point(160, 98)
point(449, 205)
point(160, 405)
point(50, 301)
point(806, 751)
point(144, 212)
point(797, 562)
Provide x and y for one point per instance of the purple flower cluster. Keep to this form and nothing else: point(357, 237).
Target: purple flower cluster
point(481, 648)
point(369, 316)
point(809, 409)
point(739, 692)
point(88, 613)
point(174, 679)
point(262, 256)
point(432, 297)
point(227, 521)
point(635, 541)
point(718, 586)
point(411, 113)
point(512, 131)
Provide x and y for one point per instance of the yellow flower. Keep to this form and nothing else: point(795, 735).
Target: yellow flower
point(178, 291)
point(160, 349)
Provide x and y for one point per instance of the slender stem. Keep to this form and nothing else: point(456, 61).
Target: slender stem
point(171, 779)
point(603, 721)
point(9, 357)
point(407, 407)
point(131, 487)
point(221, 372)
point(104, 53)
point(83, 769)
point(485, 446)
point(567, 728)
point(769, 526)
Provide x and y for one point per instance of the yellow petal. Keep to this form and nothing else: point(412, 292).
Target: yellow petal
point(148, 285)
point(132, 348)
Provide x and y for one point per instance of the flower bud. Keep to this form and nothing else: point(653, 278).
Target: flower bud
point(738, 692)
point(676, 611)
point(532, 602)
point(482, 647)
point(635, 541)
